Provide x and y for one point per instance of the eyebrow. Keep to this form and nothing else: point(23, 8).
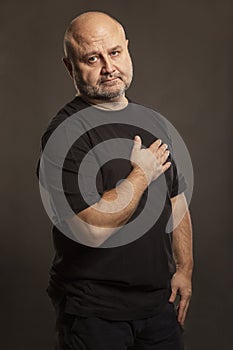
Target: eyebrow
point(93, 53)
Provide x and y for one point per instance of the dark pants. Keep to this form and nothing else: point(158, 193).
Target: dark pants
point(160, 332)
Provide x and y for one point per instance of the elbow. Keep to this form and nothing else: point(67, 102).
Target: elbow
point(99, 235)
point(92, 238)
point(87, 234)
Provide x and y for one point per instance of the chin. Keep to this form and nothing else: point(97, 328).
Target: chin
point(113, 93)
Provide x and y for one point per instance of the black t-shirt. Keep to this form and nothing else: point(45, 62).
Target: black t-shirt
point(113, 281)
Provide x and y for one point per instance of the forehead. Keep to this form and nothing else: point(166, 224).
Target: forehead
point(101, 39)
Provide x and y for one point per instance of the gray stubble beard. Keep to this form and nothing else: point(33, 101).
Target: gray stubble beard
point(96, 92)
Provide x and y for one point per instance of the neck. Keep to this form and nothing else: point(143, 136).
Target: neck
point(113, 104)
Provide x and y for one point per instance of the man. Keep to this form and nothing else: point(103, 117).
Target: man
point(120, 296)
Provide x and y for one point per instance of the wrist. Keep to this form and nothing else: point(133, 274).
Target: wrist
point(140, 175)
point(186, 269)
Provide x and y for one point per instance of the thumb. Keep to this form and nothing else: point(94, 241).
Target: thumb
point(173, 295)
point(137, 143)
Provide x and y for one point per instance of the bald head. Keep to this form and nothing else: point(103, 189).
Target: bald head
point(87, 27)
point(97, 57)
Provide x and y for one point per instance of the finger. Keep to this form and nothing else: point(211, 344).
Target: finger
point(164, 156)
point(164, 146)
point(182, 310)
point(173, 295)
point(161, 150)
point(166, 166)
point(137, 143)
point(155, 145)
point(184, 313)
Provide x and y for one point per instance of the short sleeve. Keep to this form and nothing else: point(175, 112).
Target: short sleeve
point(81, 177)
point(178, 181)
point(68, 190)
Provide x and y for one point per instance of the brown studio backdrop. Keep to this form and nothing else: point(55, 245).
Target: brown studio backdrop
point(182, 58)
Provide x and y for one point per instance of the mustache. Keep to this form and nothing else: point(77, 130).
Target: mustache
point(109, 77)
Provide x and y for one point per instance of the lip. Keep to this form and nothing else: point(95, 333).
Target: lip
point(109, 80)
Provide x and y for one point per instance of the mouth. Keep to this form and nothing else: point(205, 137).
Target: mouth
point(109, 81)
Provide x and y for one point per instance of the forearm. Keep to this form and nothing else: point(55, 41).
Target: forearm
point(97, 223)
point(101, 220)
point(117, 205)
point(182, 245)
point(181, 282)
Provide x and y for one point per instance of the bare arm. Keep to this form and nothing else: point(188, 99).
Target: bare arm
point(101, 220)
point(183, 253)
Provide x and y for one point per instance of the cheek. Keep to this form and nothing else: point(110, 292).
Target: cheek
point(92, 75)
point(129, 63)
point(126, 65)
point(89, 75)
point(127, 70)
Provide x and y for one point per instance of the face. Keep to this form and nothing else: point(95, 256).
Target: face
point(102, 67)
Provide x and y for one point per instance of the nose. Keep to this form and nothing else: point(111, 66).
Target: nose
point(107, 67)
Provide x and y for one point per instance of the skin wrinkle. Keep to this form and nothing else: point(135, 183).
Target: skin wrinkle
point(93, 79)
point(79, 29)
point(100, 33)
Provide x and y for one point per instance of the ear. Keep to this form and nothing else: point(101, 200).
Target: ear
point(127, 43)
point(68, 65)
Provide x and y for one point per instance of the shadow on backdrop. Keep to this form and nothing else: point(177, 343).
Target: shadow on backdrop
point(182, 57)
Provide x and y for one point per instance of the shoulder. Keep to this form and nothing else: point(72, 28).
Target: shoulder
point(65, 112)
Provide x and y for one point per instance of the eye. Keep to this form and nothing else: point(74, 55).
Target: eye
point(92, 59)
point(115, 53)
